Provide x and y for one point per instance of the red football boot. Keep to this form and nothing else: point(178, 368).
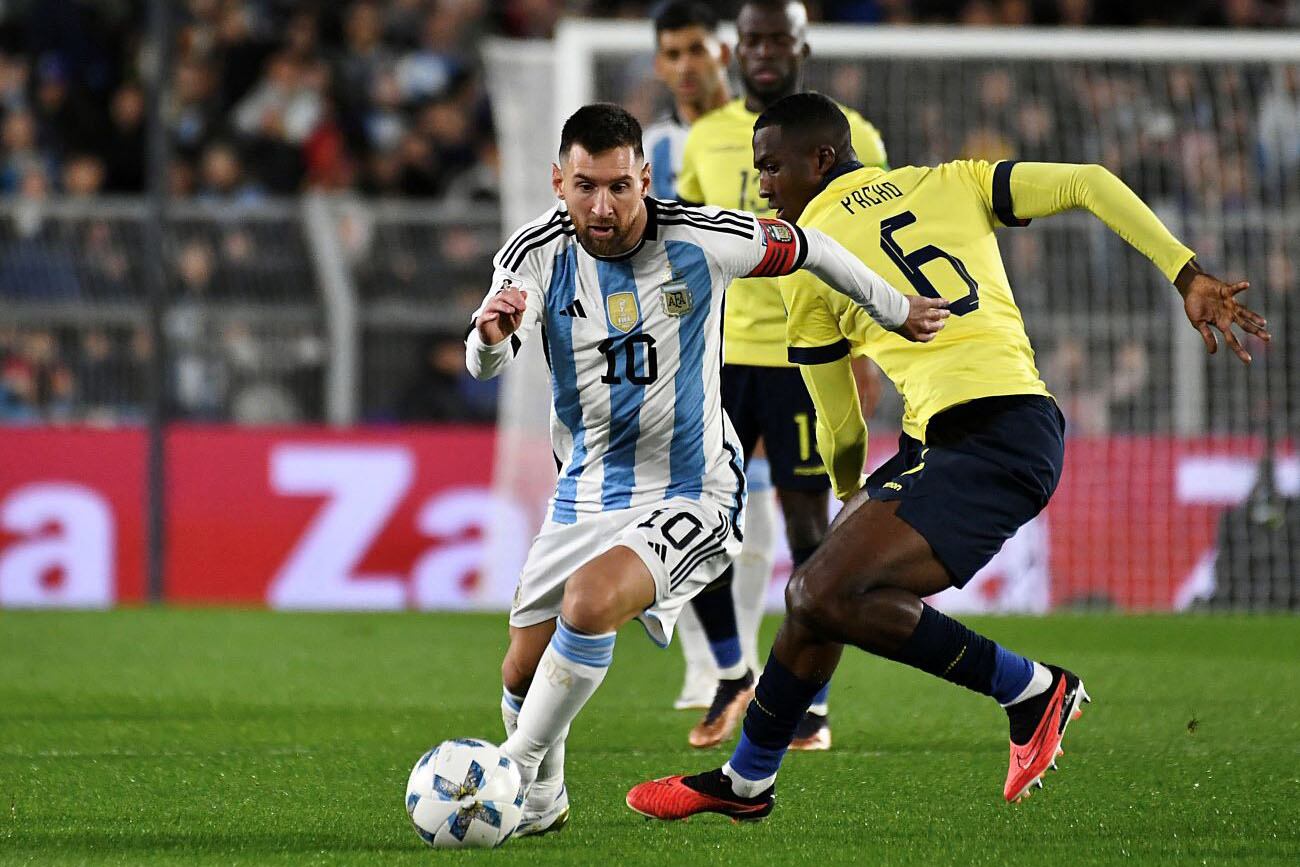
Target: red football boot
point(672, 798)
point(1037, 727)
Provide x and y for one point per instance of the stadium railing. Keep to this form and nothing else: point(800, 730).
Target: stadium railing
point(279, 311)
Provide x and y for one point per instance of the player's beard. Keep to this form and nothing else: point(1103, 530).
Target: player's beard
point(612, 244)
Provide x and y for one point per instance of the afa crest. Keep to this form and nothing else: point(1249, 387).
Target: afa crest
point(778, 232)
point(623, 310)
point(677, 297)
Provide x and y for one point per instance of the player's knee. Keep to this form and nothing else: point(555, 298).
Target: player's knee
point(593, 607)
point(808, 601)
point(517, 674)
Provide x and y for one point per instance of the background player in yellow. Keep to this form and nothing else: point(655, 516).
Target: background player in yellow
point(761, 391)
point(691, 62)
point(982, 447)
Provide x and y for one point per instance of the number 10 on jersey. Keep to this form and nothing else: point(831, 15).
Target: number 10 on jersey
point(639, 367)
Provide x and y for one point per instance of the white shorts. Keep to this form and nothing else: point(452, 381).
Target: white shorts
point(686, 544)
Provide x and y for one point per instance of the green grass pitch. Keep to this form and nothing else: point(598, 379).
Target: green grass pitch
point(225, 737)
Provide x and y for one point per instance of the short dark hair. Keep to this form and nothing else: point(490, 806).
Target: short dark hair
point(679, 14)
point(599, 127)
point(815, 116)
point(770, 5)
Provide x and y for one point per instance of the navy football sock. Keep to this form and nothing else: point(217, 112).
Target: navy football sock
point(945, 648)
point(780, 701)
point(716, 610)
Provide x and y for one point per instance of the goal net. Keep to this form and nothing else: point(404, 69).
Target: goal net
point(1182, 477)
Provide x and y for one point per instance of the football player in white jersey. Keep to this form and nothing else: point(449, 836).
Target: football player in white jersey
point(691, 62)
point(627, 293)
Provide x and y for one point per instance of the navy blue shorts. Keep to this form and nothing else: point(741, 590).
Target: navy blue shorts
point(773, 403)
point(985, 469)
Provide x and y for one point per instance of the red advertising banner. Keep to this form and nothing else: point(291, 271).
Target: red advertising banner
point(72, 517)
point(365, 519)
point(394, 518)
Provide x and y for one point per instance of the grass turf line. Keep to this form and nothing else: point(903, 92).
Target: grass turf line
point(230, 737)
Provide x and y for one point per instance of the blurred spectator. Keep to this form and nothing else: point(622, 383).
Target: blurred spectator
point(440, 390)
point(83, 175)
point(222, 179)
point(18, 137)
point(65, 121)
point(278, 116)
point(124, 146)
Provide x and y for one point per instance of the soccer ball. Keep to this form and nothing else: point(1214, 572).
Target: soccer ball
point(464, 793)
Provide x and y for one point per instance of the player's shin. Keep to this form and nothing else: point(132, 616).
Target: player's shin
point(780, 701)
point(550, 773)
point(821, 702)
point(948, 649)
point(753, 567)
point(716, 609)
point(572, 667)
point(701, 675)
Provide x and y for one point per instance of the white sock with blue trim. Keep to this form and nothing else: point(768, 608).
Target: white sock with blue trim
point(572, 667)
point(550, 773)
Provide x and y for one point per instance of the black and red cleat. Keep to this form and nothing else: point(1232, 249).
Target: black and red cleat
point(674, 798)
point(1037, 728)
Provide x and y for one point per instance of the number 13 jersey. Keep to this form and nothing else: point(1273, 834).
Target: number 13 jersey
point(634, 345)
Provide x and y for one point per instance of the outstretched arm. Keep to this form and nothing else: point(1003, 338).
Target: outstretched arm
point(915, 317)
point(1022, 191)
point(787, 248)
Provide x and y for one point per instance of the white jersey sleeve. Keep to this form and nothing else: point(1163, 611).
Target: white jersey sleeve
point(770, 247)
point(522, 263)
point(741, 244)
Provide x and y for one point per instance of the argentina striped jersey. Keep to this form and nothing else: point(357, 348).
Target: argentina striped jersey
point(634, 345)
point(665, 140)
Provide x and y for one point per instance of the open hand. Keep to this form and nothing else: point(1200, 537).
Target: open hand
point(502, 315)
point(1209, 301)
point(925, 318)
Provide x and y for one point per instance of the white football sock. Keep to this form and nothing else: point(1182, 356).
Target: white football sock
point(753, 571)
point(747, 788)
point(572, 667)
point(695, 648)
point(550, 773)
point(1038, 684)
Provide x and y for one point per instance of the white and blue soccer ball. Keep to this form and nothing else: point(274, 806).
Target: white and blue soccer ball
point(464, 793)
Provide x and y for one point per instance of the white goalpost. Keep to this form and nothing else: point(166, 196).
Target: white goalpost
point(1166, 442)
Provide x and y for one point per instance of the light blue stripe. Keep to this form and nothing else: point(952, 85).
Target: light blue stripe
point(513, 701)
point(593, 650)
point(661, 169)
point(564, 381)
point(758, 474)
point(625, 396)
point(686, 454)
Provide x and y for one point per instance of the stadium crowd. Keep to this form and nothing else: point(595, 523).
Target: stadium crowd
point(270, 98)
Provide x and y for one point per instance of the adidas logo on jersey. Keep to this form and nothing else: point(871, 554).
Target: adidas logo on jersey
point(661, 549)
point(575, 310)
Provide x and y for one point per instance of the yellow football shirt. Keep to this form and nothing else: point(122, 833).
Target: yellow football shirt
point(718, 169)
point(931, 231)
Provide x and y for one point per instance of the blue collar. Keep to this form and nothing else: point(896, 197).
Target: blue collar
point(838, 171)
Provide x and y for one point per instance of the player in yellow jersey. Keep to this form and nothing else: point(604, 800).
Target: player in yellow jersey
point(982, 447)
point(762, 392)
